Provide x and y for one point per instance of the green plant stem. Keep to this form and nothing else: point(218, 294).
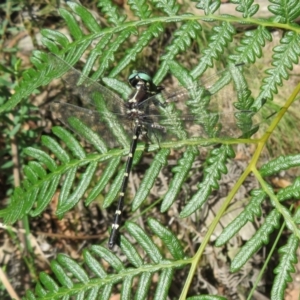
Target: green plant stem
point(266, 262)
point(251, 168)
point(184, 18)
point(280, 208)
point(210, 231)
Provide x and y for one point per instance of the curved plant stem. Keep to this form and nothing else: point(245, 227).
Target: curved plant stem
point(251, 168)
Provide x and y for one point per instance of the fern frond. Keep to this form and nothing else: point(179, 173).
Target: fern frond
point(116, 185)
point(251, 210)
point(209, 7)
point(284, 57)
point(261, 237)
point(140, 8)
point(180, 174)
point(113, 47)
point(246, 7)
point(103, 181)
point(280, 163)
point(72, 23)
point(72, 279)
point(145, 38)
point(182, 40)
point(40, 187)
point(149, 179)
point(216, 166)
point(285, 267)
point(290, 192)
point(111, 13)
point(218, 41)
point(285, 12)
point(251, 45)
point(169, 7)
point(87, 18)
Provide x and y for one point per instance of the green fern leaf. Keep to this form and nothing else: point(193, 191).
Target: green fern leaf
point(45, 195)
point(181, 172)
point(209, 6)
point(104, 180)
point(169, 7)
point(251, 210)
point(70, 141)
point(31, 176)
point(131, 253)
point(143, 40)
point(30, 295)
point(290, 192)
point(140, 8)
point(216, 166)
point(182, 40)
point(58, 37)
point(285, 267)
point(261, 237)
point(40, 291)
point(168, 238)
point(94, 264)
point(109, 54)
point(218, 41)
point(84, 131)
point(149, 179)
point(246, 7)
point(72, 267)
point(284, 57)
point(42, 157)
point(111, 13)
point(96, 54)
point(144, 241)
point(48, 282)
point(285, 11)
point(164, 283)
point(280, 163)
point(67, 203)
point(251, 45)
point(72, 24)
point(55, 148)
point(85, 16)
point(37, 169)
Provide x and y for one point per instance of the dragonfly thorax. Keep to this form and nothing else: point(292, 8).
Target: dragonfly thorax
point(142, 92)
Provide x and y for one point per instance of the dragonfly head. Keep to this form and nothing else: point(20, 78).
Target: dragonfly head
point(137, 76)
point(143, 78)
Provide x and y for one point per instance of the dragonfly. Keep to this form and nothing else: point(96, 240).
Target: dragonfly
point(150, 113)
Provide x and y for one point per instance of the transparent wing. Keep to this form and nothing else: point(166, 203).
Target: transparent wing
point(211, 93)
point(207, 109)
point(221, 125)
point(102, 110)
point(106, 125)
point(87, 88)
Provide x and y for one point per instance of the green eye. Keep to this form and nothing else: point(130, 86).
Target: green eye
point(141, 75)
point(133, 75)
point(145, 77)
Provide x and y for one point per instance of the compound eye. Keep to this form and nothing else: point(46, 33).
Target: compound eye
point(136, 76)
